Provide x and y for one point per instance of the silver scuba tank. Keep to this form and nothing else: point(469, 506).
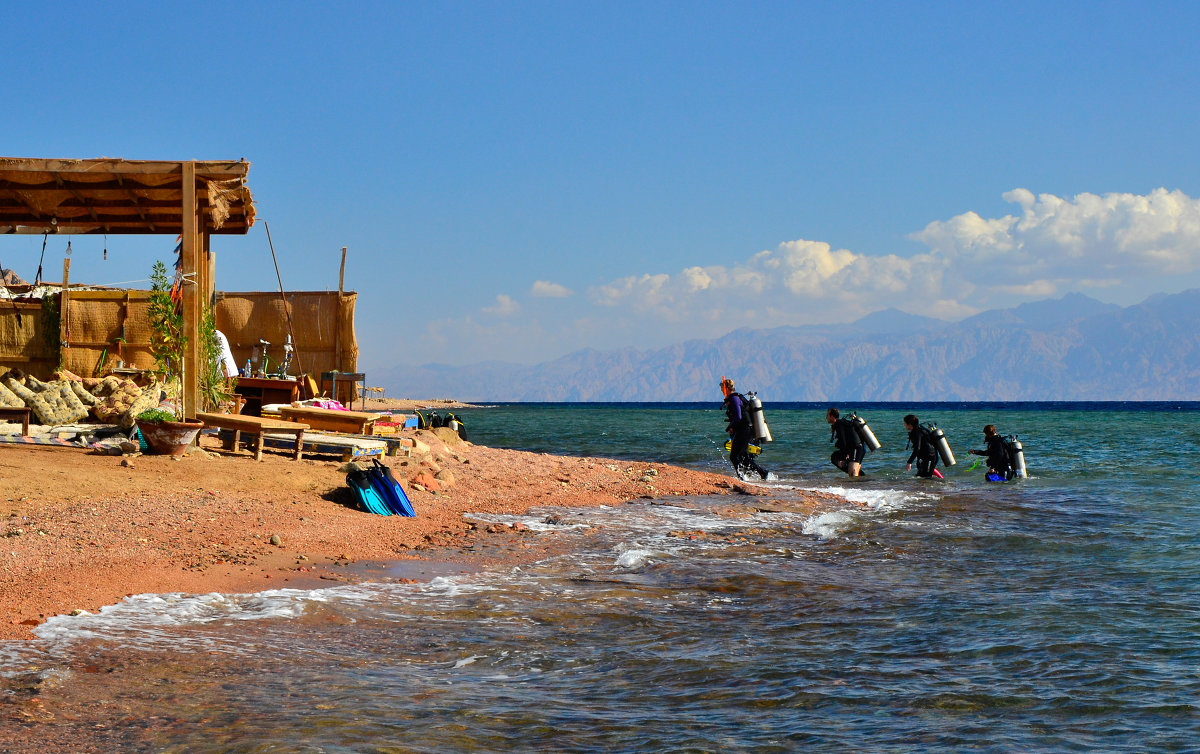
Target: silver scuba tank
point(864, 432)
point(452, 422)
point(943, 447)
point(757, 421)
point(1018, 456)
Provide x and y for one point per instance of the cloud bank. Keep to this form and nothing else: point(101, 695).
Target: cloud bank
point(1117, 242)
point(546, 289)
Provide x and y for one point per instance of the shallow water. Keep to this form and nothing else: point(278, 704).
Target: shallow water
point(1053, 613)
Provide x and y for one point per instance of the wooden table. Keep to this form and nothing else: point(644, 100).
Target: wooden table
point(259, 391)
point(255, 425)
point(352, 378)
point(22, 413)
point(331, 420)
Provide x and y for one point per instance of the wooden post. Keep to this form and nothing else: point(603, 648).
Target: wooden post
point(193, 291)
point(210, 287)
point(64, 308)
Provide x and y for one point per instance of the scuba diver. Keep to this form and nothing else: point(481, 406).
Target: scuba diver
point(999, 459)
point(740, 430)
point(850, 448)
point(924, 451)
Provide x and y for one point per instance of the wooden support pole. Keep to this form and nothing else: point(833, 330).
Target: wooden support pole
point(337, 320)
point(194, 269)
point(210, 289)
point(64, 313)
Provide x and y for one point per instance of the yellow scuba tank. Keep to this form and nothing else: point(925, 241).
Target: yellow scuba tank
point(757, 420)
point(752, 449)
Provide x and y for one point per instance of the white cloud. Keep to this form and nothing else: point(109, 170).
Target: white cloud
point(546, 289)
point(799, 281)
point(1120, 243)
point(1062, 242)
point(505, 306)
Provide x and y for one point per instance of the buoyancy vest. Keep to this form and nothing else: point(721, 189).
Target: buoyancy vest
point(921, 440)
point(736, 417)
point(844, 436)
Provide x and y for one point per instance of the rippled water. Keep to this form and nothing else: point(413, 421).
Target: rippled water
point(1054, 613)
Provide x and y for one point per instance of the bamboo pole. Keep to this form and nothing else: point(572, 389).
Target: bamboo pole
point(287, 310)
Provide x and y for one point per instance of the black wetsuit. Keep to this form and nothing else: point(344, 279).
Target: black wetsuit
point(741, 434)
point(850, 448)
point(997, 457)
point(924, 452)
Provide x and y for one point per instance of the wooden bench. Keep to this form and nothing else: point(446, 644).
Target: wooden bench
point(22, 413)
point(331, 420)
point(254, 425)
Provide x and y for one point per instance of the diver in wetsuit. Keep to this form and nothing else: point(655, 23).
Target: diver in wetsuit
point(850, 448)
point(924, 452)
point(740, 430)
point(999, 463)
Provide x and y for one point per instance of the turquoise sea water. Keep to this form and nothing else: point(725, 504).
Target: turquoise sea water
point(1055, 613)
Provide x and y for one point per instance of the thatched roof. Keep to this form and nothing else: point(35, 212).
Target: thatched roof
point(120, 196)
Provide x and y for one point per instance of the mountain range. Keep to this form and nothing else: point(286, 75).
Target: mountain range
point(1073, 348)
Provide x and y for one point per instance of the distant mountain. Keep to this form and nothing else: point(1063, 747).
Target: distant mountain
point(1071, 348)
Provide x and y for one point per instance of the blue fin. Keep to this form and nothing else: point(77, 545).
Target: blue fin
point(393, 493)
point(368, 498)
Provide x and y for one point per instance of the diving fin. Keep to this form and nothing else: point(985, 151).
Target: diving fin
point(368, 498)
point(392, 492)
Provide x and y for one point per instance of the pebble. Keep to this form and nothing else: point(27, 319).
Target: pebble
point(275, 540)
point(127, 463)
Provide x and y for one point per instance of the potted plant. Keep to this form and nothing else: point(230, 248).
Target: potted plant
point(166, 432)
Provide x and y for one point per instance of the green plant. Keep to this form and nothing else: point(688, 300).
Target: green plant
point(168, 341)
point(155, 415)
point(214, 387)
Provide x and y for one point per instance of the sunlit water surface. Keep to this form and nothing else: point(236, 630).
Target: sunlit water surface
point(1058, 612)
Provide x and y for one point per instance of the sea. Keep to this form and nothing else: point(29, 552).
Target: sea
point(1059, 612)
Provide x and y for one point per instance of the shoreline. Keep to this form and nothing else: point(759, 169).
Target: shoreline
point(82, 531)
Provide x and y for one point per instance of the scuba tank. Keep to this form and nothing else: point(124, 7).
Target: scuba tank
point(456, 424)
point(1016, 455)
point(938, 438)
point(864, 432)
point(757, 422)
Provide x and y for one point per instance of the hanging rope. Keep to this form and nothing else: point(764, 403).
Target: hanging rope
point(37, 279)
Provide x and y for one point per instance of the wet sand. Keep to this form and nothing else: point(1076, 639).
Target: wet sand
point(82, 530)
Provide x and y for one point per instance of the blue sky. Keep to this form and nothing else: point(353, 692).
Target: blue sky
point(520, 180)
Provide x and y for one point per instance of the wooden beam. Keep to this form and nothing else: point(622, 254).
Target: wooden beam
point(110, 295)
point(192, 293)
point(223, 169)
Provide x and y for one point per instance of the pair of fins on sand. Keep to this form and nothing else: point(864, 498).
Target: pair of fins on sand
point(377, 491)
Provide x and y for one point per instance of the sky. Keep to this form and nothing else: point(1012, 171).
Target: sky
point(517, 181)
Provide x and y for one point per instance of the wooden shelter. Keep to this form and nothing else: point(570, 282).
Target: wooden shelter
point(190, 199)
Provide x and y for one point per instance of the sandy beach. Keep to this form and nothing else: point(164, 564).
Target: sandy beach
point(83, 530)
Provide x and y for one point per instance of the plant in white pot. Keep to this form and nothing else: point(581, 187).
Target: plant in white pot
point(166, 432)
